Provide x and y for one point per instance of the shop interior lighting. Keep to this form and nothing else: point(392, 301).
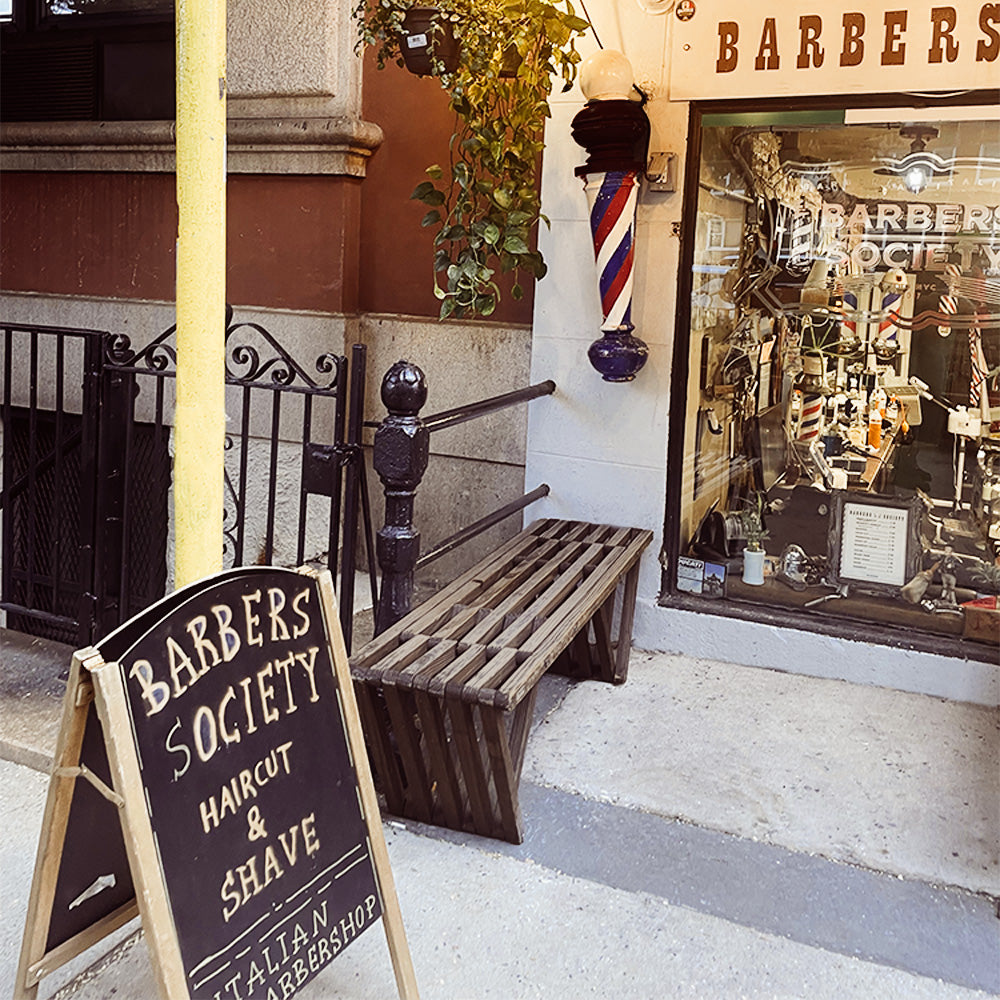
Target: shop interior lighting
point(920, 166)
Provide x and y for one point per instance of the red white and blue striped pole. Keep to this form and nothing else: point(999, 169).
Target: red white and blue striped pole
point(612, 198)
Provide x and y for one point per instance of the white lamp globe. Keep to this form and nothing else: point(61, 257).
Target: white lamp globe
point(606, 75)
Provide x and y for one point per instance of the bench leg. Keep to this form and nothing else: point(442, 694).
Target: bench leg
point(445, 786)
point(378, 737)
point(403, 716)
point(475, 774)
point(505, 775)
point(520, 726)
point(624, 645)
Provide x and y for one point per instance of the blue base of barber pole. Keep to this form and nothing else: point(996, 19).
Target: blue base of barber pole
point(617, 355)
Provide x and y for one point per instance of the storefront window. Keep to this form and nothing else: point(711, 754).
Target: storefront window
point(842, 412)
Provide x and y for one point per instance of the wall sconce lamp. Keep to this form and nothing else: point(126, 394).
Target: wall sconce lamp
point(920, 166)
point(614, 130)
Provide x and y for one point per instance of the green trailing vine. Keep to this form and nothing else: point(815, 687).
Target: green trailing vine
point(484, 204)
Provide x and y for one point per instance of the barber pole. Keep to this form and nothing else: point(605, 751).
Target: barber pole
point(849, 342)
point(886, 345)
point(949, 303)
point(979, 396)
point(612, 199)
point(615, 132)
point(800, 251)
point(810, 417)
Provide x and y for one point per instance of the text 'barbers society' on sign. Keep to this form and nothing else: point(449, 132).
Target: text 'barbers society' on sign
point(721, 50)
point(250, 790)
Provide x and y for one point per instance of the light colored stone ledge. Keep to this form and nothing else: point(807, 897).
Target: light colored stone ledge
point(256, 146)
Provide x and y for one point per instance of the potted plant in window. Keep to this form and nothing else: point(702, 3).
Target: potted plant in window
point(752, 523)
point(484, 204)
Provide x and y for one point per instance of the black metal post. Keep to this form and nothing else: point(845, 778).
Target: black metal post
point(400, 459)
point(348, 562)
point(113, 439)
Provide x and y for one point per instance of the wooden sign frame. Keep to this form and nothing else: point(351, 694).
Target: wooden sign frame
point(37, 958)
point(102, 683)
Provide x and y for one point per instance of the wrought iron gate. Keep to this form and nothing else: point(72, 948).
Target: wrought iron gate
point(86, 470)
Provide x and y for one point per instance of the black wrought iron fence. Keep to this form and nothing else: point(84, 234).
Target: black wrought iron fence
point(87, 439)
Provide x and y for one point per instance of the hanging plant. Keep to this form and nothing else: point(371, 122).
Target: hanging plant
point(484, 204)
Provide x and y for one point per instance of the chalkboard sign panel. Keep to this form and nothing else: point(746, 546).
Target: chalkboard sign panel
point(94, 882)
point(229, 728)
point(250, 786)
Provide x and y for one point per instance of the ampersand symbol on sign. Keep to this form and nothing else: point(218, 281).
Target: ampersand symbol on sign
point(255, 823)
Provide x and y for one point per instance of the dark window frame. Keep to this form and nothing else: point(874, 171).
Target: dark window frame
point(63, 67)
point(29, 16)
point(773, 615)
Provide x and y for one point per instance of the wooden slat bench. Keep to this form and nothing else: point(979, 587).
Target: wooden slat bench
point(447, 693)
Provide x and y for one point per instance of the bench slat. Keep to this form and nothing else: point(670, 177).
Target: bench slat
point(389, 666)
point(414, 674)
point(526, 593)
point(546, 644)
point(600, 584)
point(549, 600)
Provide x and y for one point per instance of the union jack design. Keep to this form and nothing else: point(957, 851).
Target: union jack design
point(612, 198)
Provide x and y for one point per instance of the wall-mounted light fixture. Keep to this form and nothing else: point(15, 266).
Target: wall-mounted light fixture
point(920, 166)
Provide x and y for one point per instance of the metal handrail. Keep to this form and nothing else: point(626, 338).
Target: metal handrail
point(401, 450)
point(477, 527)
point(460, 414)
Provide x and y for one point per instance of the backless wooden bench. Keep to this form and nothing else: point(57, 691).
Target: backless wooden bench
point(447, 693)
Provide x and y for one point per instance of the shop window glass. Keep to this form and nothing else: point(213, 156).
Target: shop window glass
point(842, 370)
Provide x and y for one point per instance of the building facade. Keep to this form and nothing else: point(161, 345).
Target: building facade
point(832, 210)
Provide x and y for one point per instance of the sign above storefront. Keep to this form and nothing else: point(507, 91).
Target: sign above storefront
point(794, 48)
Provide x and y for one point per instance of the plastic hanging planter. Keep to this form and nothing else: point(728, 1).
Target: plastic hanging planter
point(427, 37)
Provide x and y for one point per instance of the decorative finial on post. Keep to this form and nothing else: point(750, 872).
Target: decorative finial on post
point(404, 389)
point(614, 130)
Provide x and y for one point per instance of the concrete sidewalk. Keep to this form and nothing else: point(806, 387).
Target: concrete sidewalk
point(705, 831)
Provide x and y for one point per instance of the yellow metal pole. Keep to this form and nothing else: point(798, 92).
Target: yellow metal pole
point(199, 421)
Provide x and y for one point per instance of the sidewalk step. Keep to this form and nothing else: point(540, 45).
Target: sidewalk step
point(889, 780)
point(948, 934)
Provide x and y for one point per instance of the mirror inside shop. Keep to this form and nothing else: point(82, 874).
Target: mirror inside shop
point(842, 433)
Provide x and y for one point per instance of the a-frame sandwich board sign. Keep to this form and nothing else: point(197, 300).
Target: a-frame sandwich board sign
point(212, 758)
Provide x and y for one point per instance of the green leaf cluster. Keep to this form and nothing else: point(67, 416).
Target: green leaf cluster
point(484, 204)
